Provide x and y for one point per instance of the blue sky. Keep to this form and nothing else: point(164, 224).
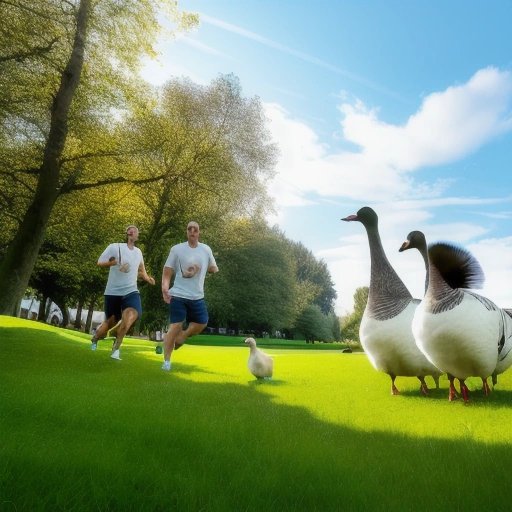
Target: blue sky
point(404, 106)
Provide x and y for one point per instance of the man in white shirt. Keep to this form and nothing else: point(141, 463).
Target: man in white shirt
point(122, 298)
point(189, 262)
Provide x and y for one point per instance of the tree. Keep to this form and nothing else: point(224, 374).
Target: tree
point(66, 269)
point(211, 147)
point(313, 325)
point(103, 38)
point(255, 288)
point(314, 278)
point(350, 324)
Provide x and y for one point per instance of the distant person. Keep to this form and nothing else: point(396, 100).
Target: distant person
point(122, 298)
point(188, 262)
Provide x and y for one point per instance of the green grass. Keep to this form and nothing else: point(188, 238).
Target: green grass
point(233, 341)
point(79, 431)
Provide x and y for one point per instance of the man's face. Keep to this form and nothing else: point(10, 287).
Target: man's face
point(193, 231)
point(133, 233)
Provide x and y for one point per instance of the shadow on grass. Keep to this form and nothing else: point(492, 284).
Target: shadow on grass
point(129, 439)
point(266, 382)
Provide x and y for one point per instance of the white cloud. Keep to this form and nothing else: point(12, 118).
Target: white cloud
point(449, 125)
point(494, 256)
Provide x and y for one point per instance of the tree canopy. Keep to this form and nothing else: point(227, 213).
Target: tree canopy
point(87, 147)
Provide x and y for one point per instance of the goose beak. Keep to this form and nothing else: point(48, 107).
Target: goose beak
point(404, 246)
point(350, 218)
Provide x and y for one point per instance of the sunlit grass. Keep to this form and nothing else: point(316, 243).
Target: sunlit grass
point(79, 431)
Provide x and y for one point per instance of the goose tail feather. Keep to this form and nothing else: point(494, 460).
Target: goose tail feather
point(458, 267)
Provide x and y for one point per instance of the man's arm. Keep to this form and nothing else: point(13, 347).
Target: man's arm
point(104, 261)
point(167, 274)
point(144, 275)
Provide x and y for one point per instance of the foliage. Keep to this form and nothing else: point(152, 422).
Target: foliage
point(62, 77)
point(122, 152)
point(350, 323)
point(255, 288)
point(211, 148)
point(313, 325)
point(314, 278)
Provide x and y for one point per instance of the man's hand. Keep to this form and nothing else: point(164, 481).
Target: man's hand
point(125, 267)
point(191, 271)
point(166, 296)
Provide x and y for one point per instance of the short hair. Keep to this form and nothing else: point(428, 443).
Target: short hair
point(130, 227)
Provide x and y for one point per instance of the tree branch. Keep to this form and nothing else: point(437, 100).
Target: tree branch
point(73, 187)
point(36, 51)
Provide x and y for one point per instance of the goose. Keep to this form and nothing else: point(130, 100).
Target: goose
point(260, 364)
point(385, 332)
point(417, 240)
point(461, 332)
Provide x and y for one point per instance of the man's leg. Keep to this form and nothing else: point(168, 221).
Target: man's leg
point(102, 330)
point(175, 337)
point(192, 329)
point(197, 316)
point(128, 318)
point(170, 339)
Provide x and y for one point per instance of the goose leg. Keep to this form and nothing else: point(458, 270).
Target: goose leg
point(485, 387)
point(436, 380)
point(452, 394)
point(394, 390)
point(423, 386)
point(464, 391)
point(494, 379)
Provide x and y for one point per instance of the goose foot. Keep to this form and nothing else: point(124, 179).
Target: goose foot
point(485, 387)
point(423, 386)
point(452, 393)
point(394, 390)
point(464, 391)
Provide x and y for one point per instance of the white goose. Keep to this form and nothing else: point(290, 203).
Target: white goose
point(461, 332)
point(385, 330)
point(416, 240)
point(260, 364)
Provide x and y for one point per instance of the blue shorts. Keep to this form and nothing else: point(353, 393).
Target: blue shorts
point(116, 304)
point(181, 309)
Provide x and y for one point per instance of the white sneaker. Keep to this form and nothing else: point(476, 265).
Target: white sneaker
point(94, 345)
point(116, 355)
point(166, 366)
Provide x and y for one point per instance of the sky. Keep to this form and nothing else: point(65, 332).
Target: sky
point(401, 105)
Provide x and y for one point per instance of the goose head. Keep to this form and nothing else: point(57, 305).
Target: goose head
point(365, 216)
point(250, 341)
point(415, 240)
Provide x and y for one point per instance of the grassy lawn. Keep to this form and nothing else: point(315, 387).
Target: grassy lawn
point(80, 431)
point(236, 341)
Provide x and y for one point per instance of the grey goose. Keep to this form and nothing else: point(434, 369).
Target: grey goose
point(385, 332)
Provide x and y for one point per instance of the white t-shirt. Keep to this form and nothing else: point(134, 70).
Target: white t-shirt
point(121, 282)
point(180, 258)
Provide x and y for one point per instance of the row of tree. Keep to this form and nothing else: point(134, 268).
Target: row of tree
point(86, 148)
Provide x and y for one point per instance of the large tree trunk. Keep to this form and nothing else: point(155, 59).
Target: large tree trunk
point(78, 318)
point(65, 315)
point(43, 309)
point(21, 255)
point(90, 313)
